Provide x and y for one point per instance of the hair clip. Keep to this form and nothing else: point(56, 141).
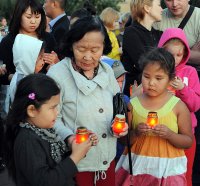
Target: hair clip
point(31, 96)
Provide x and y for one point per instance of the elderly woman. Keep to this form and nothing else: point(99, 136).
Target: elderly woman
point(87, 89)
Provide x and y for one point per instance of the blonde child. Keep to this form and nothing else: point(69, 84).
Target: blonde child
point(186, 83)
point(36, 154)
point(157, 152)
point(110, 18)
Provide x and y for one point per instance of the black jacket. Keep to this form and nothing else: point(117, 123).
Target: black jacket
point(34, 165)
point(136, 41)
point(60, 28)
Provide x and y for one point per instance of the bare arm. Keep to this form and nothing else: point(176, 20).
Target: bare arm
point(182, 139)
point(195, 54)
point(130, 111)
point(194, 57)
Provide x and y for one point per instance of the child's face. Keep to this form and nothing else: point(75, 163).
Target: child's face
point(4, 22)
point(45, 117)
point(114, 25)
point(120, 81)
point(177, 50)
point(154, 80)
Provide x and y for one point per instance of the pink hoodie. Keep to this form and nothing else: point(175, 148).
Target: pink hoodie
point(190, 94)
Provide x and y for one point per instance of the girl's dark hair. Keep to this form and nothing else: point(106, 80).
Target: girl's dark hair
point(162, 57)
point(81, 27)
point(20, 7)
point(43, 87)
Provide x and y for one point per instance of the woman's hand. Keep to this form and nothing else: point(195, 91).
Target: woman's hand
point(93, 137)
point(10, 77)
point(51, 58)
point(79, 151)
point(3, 70)
point(162, 131)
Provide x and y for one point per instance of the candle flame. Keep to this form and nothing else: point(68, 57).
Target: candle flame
point(83, 139)
point(118, 125)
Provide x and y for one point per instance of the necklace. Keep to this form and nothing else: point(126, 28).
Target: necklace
point(76, 68)
point(93, 74)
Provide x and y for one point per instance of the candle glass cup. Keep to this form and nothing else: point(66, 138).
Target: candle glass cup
point(82, 134)
point(119, 123)
point(152, 119)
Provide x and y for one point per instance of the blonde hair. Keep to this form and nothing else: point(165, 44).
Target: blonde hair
point(109, 16)
point(177, 41)
point(174, 41)
point(137, 8)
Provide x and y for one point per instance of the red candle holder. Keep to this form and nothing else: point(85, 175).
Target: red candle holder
point(171, 90)
point(152, 119)
point(82, 134)
point(119, 123)
point(131, 90)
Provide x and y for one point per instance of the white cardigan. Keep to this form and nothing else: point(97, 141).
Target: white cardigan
point(87, 103)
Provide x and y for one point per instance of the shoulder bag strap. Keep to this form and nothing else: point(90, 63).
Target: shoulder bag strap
point(186, 18)
point(128, 142)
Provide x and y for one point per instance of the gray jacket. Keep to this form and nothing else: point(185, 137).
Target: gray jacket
point(87, 103)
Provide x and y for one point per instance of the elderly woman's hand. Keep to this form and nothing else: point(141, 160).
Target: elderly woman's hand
point(93, 138)
point(124, 133)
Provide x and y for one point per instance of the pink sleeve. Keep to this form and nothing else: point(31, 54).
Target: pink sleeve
point(190, 94)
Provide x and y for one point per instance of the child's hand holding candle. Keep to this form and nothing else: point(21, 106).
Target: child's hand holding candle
point(82, 134)
point(152, 119)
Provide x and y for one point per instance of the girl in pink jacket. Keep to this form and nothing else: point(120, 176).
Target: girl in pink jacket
point(186, 83)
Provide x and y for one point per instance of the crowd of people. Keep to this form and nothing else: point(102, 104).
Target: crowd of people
point(62, 72)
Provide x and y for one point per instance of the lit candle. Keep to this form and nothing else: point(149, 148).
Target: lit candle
point(152, 119)
point(119, 123)
point(82, 134)
point(131, 90)
point(171, 90)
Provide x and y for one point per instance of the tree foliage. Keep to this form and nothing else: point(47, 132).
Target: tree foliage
point(6, 6)
point(98, 4)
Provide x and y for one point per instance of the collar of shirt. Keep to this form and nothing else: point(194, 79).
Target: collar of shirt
point(53, 21)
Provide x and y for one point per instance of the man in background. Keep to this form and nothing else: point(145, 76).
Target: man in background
point(59, 24)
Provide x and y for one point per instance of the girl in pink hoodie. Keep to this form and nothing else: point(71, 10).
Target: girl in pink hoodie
point(186, 83)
